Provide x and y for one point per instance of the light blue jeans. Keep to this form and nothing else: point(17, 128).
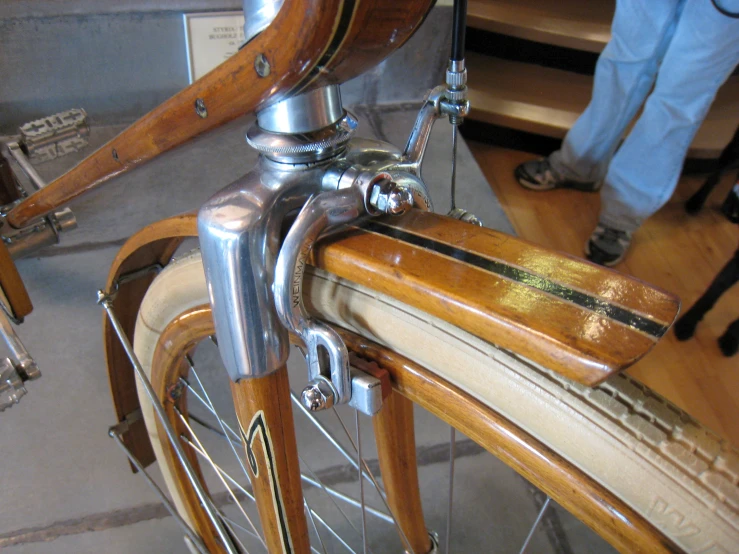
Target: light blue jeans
point(685, 49)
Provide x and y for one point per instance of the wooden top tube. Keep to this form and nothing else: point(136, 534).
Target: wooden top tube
point(311, 43)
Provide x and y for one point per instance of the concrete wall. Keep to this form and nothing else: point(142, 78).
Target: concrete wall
point(119, 60)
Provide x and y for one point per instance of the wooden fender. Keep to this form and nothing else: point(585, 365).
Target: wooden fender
point(154, 244)
point(581, 320)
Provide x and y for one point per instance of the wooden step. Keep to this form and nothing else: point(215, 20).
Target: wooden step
point(547, 101)
point(578, 24)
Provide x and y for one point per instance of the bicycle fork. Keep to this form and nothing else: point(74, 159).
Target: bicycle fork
point(310, 165)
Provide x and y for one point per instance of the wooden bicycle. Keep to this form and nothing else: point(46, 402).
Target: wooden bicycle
point(519, 348)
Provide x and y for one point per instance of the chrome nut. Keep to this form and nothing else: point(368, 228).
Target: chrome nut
point(318, 395)
point(389, 198)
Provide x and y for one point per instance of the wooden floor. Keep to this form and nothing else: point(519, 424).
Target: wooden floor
point(673, 250)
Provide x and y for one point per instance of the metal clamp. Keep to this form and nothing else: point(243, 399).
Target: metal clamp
point(365, 193)
point(324, 346)
point(455, 103)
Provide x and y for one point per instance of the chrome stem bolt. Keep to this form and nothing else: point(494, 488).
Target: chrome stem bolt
point(388, 197)
point(318, 395)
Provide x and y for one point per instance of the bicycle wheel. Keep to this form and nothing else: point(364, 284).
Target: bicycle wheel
point(642, 455)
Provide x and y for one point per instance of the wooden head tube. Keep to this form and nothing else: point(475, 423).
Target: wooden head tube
point(310, 43)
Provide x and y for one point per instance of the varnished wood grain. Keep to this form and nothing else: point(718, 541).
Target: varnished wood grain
point(548, 330)
point(232, 89)
point(265, 415)
point(510, 94)
point(580, 495)
point(396, 452)
point(676, 251)
point(12, 285)
point(168, 365)
point(569, 23)
point(154, 244)
point(310, 43)
point(538, 316)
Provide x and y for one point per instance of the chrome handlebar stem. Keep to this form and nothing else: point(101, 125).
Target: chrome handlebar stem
point(254, 283)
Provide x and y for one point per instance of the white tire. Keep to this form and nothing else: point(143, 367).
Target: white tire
point(650, 454)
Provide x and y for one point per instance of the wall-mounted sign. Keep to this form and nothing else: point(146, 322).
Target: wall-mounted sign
point(211, 37)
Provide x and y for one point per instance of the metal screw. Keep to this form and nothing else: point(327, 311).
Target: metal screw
point(261, 65)
point(200, 108)
point(174, 392)
point(389, 198)
point(318, 395)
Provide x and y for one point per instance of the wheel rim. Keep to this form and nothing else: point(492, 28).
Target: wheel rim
point(660, 545)
point(179, 386)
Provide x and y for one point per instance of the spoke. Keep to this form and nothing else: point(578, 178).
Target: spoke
point(535, 525)
point(213, 464)
point(310, 512)
point(218, 468)
point(215, 413)
point(320, 484)
point(106, 302)
point(452, 454)
point(367, 471)
point(195, 393)
point(314, 480)
point(325, 432)
point(346, 498)
point(334, 533)
point(239, 527)
point(209, 427)
point(379, 490)
point(229, 526)
point(205, 425)
point(361, 482)
point(190, 535)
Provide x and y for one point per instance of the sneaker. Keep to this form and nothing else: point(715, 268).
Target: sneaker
point(539, 175)
point(607, 246)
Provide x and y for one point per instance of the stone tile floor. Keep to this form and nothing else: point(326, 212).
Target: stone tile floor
point(66, 488)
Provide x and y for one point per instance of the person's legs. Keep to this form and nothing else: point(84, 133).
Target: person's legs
point(644, 172)
point(641, 32)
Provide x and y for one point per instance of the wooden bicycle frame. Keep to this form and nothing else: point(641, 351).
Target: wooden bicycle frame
point(423, 259)
point(310, 44)
point(584, 497)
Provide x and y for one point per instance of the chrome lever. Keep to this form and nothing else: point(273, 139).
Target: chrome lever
point(321, 213)
point(326, 354)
